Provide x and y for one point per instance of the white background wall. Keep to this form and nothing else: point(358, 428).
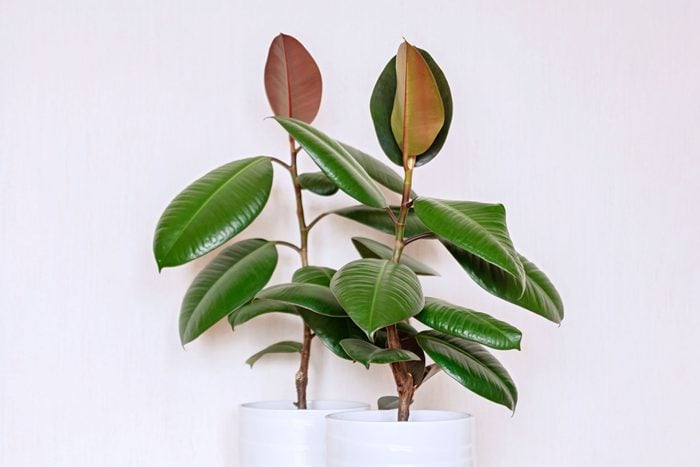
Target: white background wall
point(582, 117)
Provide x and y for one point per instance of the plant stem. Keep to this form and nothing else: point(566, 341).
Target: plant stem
point(402, 377)
point(302, 376)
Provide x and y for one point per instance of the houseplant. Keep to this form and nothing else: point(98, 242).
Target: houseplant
point(219, 206)
point(411, 109)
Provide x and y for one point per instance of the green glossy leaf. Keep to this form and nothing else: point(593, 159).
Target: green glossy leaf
point(314, 275)
point(279, 347)
point(479, 228)
point(257, 308)
point(317, 182)
point(540, 295)
point(331, 331)
point(470, 365)
point(388, 403)
point(380, 172)
point(311, 296)
point(418, 113)
point(335, 162)
point(376, 293)
point(212, 210)
point(369, 248)
point(379, 219)
point(467, 324)
point(230, 281)
point(367, 353)
point(382, 104)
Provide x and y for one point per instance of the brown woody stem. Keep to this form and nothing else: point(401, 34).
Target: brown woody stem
point(302, 376)
point(402, 377)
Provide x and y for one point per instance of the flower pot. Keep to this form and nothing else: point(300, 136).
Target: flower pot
point(430, 438)
point(276, 434)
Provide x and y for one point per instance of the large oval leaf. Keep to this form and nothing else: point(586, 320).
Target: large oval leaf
point(369, 248)
point(292, 80)
point(332, 158)
point(540, 296)
point(314, 297)
point(318, 275)
point(212, 210)
point(257, 308)
point(317, 182)
point(470, 365)
point(278, 347)
point(382, 104)
point(367, 353)
point(379, 219)
point(376, 293)
point(231, 280)
point(379, 172)
point(331, 331)
point(479, 228)
point(418, 113)
point(467, 324)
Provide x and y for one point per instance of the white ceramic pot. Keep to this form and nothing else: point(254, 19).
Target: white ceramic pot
point(430, 438)
point(276, 434)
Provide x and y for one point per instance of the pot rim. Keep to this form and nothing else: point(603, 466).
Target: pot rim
point(366, 417)
point(320, 405)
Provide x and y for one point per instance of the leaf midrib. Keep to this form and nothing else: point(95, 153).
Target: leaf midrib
point(348, 165)
point(380, 275)
point(473, 359)
point(455, 310)
point(218, 280)
point(208, 200)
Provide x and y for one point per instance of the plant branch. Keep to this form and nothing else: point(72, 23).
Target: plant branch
point(392, 215)
point(318, 218)
point(289, 245)
point(302, 376)
point(402, 377)
point(418, 237)
point(280, 162)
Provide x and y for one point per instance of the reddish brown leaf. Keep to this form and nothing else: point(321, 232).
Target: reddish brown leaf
point(292, 80)
point(418, 114)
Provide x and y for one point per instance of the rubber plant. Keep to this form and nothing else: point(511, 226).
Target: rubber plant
point(221, 204)
point(411, 108)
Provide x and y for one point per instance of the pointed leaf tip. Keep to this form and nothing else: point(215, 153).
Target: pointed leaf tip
point(418, 114)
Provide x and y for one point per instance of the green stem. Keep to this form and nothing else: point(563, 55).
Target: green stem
point(302, 375)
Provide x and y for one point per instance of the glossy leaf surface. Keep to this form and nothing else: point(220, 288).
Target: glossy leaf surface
point(479, 228)
point(313, 297)
point(380, 172)
point(212, 210)
point(382, 104)
point(292, 80)
point(317, 182)
point(367, 353)
point(331, 331)
point(388, 403)
point(257, 308)
point(369, 248)
point(471, 365)
point(332, 158)
point(228, 282)
point(467, 324)
point(379, 219)
point(540, 295)
point(376, 293)
point(279, 347)
point(314, 275)
point(418, 113)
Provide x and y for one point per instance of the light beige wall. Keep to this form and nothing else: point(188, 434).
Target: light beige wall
point(581, 117)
